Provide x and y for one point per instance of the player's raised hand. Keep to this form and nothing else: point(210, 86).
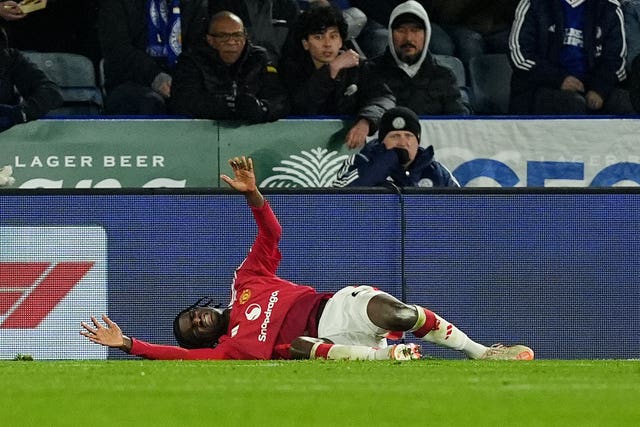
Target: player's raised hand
point(110, 336)
point(245, 179)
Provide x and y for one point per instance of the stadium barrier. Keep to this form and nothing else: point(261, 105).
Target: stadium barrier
point(300, 153)
point(557, 269)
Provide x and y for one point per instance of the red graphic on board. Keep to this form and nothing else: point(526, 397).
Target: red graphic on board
point(29, 291)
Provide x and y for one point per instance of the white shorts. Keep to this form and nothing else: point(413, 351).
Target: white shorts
point(345, 321)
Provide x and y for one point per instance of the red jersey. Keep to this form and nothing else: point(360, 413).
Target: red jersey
point(260, 303)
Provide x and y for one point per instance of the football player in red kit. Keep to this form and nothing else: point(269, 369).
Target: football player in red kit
point(272, 318)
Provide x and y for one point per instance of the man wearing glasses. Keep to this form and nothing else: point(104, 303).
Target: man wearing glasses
point(228, 78)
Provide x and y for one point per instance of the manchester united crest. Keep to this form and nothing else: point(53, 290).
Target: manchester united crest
point(244, 296)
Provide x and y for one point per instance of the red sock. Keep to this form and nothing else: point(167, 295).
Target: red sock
point(283, 351)
point(429, 324)
point(322, 351)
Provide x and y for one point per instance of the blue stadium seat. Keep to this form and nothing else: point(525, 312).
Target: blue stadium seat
point(490, 80)
point(76, 77)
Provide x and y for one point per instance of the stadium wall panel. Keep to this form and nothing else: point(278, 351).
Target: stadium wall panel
point(558, 270)
point(306, 153)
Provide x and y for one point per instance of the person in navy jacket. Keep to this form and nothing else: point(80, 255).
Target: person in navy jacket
point(395, 157)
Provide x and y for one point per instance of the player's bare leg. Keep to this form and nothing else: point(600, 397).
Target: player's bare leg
point(389, 313)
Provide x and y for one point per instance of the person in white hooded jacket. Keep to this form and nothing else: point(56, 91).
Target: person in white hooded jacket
point(410, 71)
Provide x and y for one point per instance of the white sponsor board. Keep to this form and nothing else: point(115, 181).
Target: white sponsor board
point(538, 152)
point(51, 279)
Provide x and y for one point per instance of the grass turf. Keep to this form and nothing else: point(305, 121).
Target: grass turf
point(304, 393)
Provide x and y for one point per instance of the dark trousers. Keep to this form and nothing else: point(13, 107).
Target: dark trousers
point(561, 102)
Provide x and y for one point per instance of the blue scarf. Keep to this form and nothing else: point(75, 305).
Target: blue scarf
point(164, 36)
point(572, 55)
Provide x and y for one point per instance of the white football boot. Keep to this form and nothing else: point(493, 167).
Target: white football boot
point(508, 352)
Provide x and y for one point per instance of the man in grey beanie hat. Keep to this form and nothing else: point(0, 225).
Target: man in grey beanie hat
point(395, 156)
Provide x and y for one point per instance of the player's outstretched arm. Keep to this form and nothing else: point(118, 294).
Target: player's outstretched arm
point(244, 180)
point(110, 336)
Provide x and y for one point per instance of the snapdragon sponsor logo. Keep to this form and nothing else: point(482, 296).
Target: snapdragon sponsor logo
point(267, 316)
point(253, 312)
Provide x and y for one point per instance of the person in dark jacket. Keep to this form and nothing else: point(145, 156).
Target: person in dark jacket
point(228, 78)
point(139, 43)
point(325, 79)
point(568, 57)
point(407, 67)
point(36, 95)
point(395, 157)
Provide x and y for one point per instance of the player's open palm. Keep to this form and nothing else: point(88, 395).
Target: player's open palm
point(110, 336)
point(245, 179)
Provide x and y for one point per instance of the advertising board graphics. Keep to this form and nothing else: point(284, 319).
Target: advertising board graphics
point(306, 153)
point(51, 279)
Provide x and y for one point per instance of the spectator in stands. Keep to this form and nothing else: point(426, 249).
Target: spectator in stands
point(396, 157)
point(374, 37)
point(9, 11)
point(25, 91)
point(267, 21)
point(458, 28)
point(568, 57)
point(140, 46)
point(325, 79)
point(355, 19)
point(411, 72)
point(228, 78)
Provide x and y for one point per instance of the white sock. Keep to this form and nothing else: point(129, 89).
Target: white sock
point(448, 335)
point(349, 352)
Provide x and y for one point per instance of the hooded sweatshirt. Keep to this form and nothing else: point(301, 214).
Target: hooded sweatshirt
point(425, 87)
point(416, 9)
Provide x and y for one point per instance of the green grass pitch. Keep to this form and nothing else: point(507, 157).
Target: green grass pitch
point(426, 392)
